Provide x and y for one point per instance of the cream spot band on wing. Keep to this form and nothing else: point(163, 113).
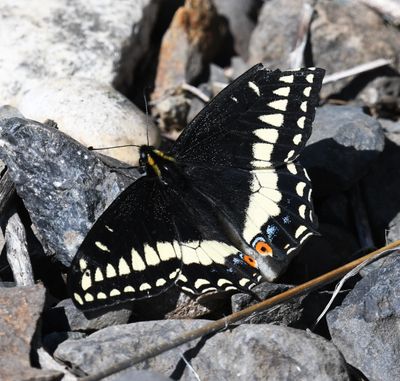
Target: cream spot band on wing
point(287, 78)
point(275, 120)
point(101, 246)
point(98, 275)
point(281, 104)
point(254, 87)
point(269, 135)
point(150, 255)
point(307, 91)
point(137, 261)
point(300, 230)
point(282, 91)
point(300, 121)
point(123, 268)
point(86, 280)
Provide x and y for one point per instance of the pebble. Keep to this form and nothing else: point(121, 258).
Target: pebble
point(20, 313)
point(93, 113)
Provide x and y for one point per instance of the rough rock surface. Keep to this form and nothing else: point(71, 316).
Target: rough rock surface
point(341, 39)
point(93, 113)
point(102, 40)
point(365, 327)
point(274, 37)
point(257, 352)
point(188, 45)
point(64, 186)
point(241, 16)
point(343, 144)
point(20, 310)
point(65, 316)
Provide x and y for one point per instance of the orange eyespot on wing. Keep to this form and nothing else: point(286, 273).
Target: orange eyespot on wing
point(263, 248)
point(250, 261)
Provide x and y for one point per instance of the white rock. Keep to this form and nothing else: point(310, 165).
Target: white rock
point(97, 39)
point(94, 114)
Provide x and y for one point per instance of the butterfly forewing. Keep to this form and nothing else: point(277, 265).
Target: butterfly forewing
point(247, 151)
point(262, 120)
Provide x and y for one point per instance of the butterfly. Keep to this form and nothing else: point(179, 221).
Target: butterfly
point(216, 212)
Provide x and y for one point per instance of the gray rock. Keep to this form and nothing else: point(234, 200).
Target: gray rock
point(391, 130)
point(256, 352)
point(274, 37)
point(382, 95)
point(365, 327)
point(393, 233)
point(138, 375)
point(343, 144)
point(20, 311)
point(75, 320)
point(9, 112)
point(100, 40)
point(283, 314)
point(93, 113)
point(64, 186)
point(341, 39)
point(241, 16)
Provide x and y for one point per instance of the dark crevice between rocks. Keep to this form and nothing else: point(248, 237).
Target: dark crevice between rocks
point(145, 72)
point(359, 82)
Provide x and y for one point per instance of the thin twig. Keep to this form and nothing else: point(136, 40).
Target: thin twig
point(356, 70)
point(214, 326)
point(189, 365)
point(389, 9)
point(195, 91)
point(349, 275)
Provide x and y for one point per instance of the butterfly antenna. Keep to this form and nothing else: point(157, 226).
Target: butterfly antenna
point(147, 116)
point(91, 148)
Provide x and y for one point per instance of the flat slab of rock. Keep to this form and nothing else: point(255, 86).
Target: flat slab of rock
point(20, 311)
point(256, 352)
point(101, 40)
point(366, 327)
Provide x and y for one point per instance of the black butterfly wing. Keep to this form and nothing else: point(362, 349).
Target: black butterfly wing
point(151, 237)
point(262, 119)
point(240, 152)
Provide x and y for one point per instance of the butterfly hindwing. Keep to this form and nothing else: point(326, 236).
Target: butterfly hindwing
point(163, 240)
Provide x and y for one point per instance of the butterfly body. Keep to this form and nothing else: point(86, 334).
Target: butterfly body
point(224, 207)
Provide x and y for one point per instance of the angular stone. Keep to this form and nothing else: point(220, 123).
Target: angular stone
point(365, 327)
point(101, 40)
point(93, 113)
point(241, 16)
point(251, 351)
point(64, 186)
point(341, 39)
point(274, 37)
point(20, 311)
point(65, 316)
point(343, 144)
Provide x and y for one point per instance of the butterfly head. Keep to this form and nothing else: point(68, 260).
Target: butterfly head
point(154, 161)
